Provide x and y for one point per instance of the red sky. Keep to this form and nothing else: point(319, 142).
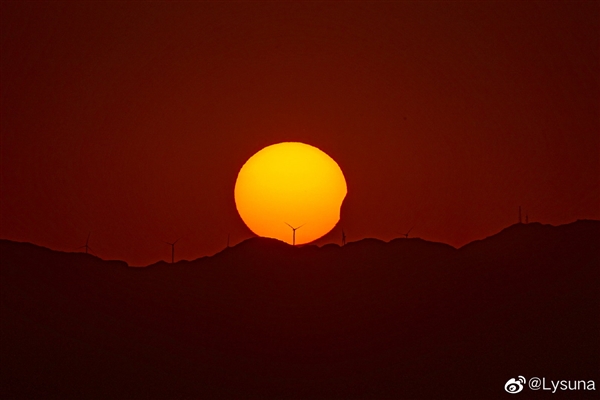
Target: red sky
point(131, 120)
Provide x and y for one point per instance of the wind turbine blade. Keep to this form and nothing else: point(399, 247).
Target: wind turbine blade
point(177, 241)
point(289, 225)
point(301, 226)
point(409, 230)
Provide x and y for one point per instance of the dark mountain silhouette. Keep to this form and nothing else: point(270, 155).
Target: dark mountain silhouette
point(404, 319)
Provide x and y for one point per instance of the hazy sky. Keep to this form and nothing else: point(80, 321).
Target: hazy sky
point(132, 120)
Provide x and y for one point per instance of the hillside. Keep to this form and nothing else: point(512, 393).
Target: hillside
point(404, 319)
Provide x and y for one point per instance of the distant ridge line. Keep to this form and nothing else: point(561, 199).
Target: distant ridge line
point(256, 243)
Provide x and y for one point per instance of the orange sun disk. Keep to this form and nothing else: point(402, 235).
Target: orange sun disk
point(290, 183)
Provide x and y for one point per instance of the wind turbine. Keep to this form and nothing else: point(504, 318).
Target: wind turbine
point(406, 234)
point(294, 232)
point(343, 238)
point(520, 221)
point(87, 247)
point(173, 250)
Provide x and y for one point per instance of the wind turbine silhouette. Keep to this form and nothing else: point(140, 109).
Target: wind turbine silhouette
point(520, 221)
point(406, 234)
point(294, 232)
point(343, 238)
point(173, 250)
point(87, 247)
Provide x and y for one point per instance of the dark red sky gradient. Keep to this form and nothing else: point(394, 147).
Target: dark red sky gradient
point(131, 120)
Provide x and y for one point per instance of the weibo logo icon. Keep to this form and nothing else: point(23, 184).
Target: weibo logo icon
point(514, 386)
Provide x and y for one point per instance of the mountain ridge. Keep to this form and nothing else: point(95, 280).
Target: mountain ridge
point(403, 319)
point(257, 244)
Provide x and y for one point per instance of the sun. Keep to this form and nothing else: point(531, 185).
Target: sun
point(290, 185)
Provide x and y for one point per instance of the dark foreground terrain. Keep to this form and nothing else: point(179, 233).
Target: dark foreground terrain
point(404, 319)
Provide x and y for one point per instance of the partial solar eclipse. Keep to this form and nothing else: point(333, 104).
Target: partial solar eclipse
point(287, 185)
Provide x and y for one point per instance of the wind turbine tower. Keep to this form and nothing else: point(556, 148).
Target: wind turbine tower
point(406, 234)
point(343, 238)
point(294, 232)
point(520, 221)
point(87, 247)
point(173, 250)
